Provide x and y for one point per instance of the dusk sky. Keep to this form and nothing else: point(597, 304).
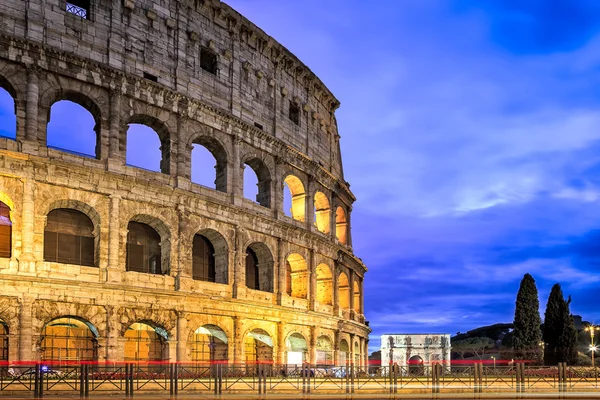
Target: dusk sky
point(471, 138)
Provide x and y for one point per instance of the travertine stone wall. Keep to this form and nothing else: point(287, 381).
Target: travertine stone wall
point(240, 113)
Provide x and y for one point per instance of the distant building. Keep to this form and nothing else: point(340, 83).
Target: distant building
point(418, 349)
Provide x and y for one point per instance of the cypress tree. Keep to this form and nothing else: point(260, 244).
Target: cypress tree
point(560, 334)
point(527, 333)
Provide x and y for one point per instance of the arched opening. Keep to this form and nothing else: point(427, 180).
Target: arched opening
point(209, 257)
point(322, 212)
point(69, 339)
point(69, 238)
point(258, 347)
point(324, 284)
point(297, 349)
point(344, 291)
point(259, 267)
point(297, 276)
point(3, 341)
point(209, 343)
point(148, 144)
point(72, 127)
point(262, 179)
point(357, 297)
point(344, 351)
point(145, 342)
point(144, 252)
point(5, 231)
point(324, 351)
point(415, 366)
point(8, 112)
point(297, 196)
point(341, 225)
point(209, 164)
point(357, 354)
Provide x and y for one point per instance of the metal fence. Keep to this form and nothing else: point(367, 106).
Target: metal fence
point(220, 378)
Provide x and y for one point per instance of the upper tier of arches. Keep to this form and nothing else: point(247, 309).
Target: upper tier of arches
point(90, 123)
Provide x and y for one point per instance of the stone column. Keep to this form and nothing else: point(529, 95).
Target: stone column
point(362, 298)
point(351, 289)
point(310, 204)
point(114, 151)
point(114, 271)
point(239, 256)
point(281, 350)
point(112, 351)
point(332, 226)
point(25, 325)
point(171, 350)
point(336, 347)
point(237, 173)
point(312, 348)
point(277, 191)
point(32, 105)
point(27, 258)
point(312, 287)
point(238, 342)
point(352, 353)
point(281, 271)
point(366, 351)
point(182, 336)
point(348, 228)
point(336, 289)
point(119, 351)
point(184, 166)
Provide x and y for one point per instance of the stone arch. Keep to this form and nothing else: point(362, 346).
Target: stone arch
point(298, 197)
point(344, 291)
point(9, 313)
point(145, 341)
point(161, 130)
point(344, 353)
point(51, 97)
point(415, 365)
point(258, 346)
point(324, 284)
point(84, 208)
point(6, 84)
point(208, 343)
point(164, 234)
point(69, 338)
point(297, 276)
point(6, 227)
point(296, 348)
point(219, 152)
point(220, 247)
point(165, 319)
point(341, 225)
point(322, 212)
point(324, 350)
point(357, 295)
point(46, 310)
point(263, 175)
point(12, 93)
point(259, 267)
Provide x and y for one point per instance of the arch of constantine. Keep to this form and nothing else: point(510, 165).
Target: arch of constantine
point(103, 260)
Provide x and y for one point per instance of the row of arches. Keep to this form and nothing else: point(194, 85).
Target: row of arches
point(71, 338)
point(147, 145)
point(71, 237)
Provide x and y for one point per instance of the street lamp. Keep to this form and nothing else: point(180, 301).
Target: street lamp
point(494, 358)
point(591, 329)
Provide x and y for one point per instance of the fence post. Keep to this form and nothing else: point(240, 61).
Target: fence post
point(131, 377)
point(311, 371)
point(352, 378)
point(434, 379)
point(347, 375)
point(475, 378)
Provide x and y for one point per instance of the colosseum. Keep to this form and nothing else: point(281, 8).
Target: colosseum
point(102, 260)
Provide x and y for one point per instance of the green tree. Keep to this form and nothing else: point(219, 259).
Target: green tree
point(527, 333)
point(560, 335)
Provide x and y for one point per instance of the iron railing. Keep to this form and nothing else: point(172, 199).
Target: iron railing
point(38, 379)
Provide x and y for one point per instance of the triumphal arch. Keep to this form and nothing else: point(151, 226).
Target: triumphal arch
point(103, 260)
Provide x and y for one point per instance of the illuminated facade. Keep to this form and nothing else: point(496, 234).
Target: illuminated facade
point(101, 260)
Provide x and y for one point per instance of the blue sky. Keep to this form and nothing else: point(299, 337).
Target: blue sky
point(471, 138)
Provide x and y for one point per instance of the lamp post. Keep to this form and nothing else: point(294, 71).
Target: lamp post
point(494, 358)
point(591, 329)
